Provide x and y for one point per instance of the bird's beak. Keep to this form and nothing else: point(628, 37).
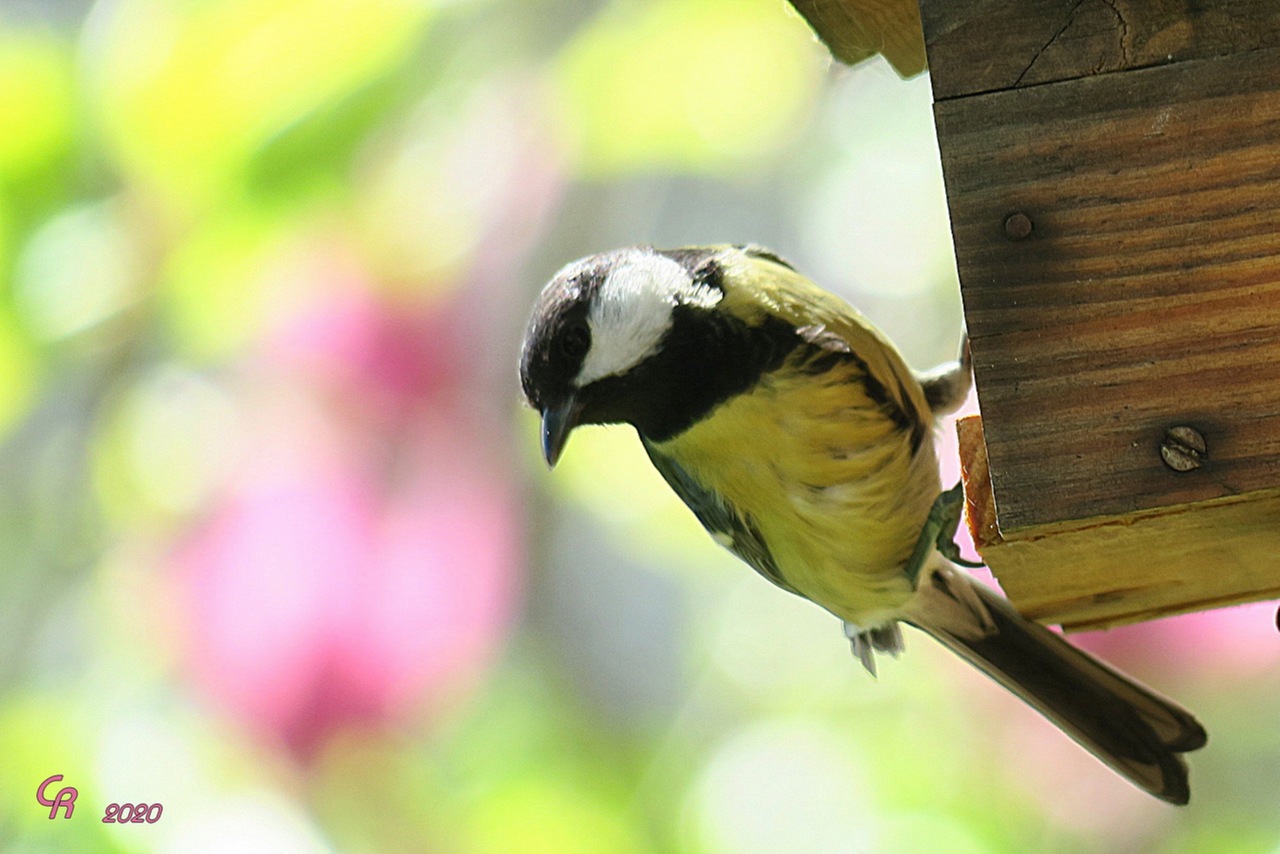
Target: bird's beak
point(557, 423)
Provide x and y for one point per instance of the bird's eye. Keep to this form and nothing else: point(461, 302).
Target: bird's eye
point(575, 342)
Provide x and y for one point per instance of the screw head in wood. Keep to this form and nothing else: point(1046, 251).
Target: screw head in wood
point(1017, 226)
point(1183, 448)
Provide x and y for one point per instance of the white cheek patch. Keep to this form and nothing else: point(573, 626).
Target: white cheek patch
point(632, 311)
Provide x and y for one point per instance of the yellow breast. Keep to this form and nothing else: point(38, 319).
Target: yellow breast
point(831, 481)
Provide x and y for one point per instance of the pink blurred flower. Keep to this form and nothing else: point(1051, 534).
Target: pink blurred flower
point(1227, 644)
point(370, 359)
point(363, 565)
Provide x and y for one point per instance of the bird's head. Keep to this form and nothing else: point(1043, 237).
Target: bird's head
point(604, 345)
point(653, 338)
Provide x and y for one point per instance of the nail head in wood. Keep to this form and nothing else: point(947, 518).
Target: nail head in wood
point(1017, 226)
point(1183, 448)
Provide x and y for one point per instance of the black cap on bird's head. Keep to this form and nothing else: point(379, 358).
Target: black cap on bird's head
point(638, 336)
point(555, 345)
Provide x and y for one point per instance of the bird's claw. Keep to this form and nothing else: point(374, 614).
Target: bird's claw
point(951, 552)
point(939, 533)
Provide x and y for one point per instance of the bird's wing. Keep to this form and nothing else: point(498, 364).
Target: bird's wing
point(727, 525)
point(765, 284)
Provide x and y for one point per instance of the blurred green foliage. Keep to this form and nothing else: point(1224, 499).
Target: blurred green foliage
point(278, 549)
point(628, 103)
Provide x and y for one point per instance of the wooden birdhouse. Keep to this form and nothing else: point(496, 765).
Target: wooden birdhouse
point(1113, 176)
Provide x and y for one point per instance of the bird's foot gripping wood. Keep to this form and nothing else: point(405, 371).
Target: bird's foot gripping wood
point(939, 533)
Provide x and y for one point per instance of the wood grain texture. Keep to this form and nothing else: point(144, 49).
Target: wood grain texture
point(1147, 294)
point(1110, 572)
point(990, 45)
point(854, 30)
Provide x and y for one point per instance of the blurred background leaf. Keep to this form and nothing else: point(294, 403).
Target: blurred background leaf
point(189, 92)
point(630, 109)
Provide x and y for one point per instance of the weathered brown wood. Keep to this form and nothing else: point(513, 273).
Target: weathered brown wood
point(990, 45)
point(1105, 573)
point(854, 30)
point(1146, 295)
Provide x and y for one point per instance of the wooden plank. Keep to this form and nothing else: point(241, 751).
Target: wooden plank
point(1146, 294)
point(1110, 572)
point(854, 30)
point(991, 45)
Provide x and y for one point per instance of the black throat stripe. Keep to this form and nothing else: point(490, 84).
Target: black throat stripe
point(705, 358)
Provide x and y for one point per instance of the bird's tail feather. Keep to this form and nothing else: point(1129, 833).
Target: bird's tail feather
point(1129, 727)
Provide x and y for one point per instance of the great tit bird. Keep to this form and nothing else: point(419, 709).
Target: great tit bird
point(803, 443)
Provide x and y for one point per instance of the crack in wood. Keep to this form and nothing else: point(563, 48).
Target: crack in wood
point(1071, 17)
point(1125, 59)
